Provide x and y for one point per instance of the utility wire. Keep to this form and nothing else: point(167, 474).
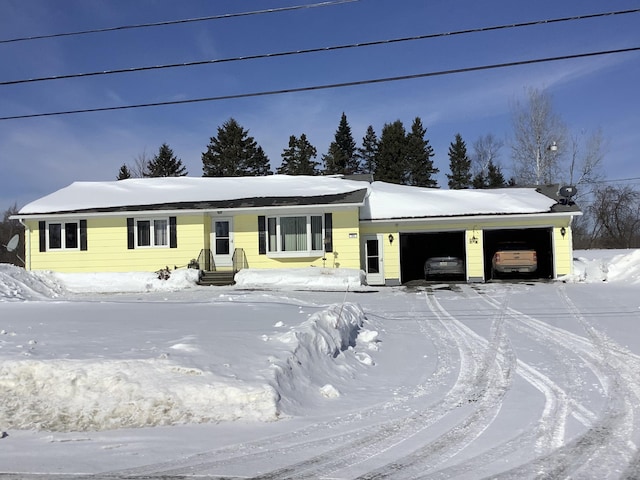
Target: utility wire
point(319, 49)
point(175, 22)
point(329, 86)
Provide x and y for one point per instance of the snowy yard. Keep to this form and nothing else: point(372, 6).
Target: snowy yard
point(126, 376)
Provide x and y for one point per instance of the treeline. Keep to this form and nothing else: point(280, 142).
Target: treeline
point(397, 156)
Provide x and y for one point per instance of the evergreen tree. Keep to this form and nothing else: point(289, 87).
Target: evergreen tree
point(420, 169)
point(165, 164)
point(297, 159)
point(124, 173)
point(495, 178)
point(390, 159)
point(233, 153)
point(459, 164)
point(341, 157)
point(367, 153)
point(479, 180)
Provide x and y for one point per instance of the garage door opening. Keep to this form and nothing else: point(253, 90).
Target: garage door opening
point(416, 248)
point(538, 239)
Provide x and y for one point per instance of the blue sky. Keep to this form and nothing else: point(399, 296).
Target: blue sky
point(40, 155)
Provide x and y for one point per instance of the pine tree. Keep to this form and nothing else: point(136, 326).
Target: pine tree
point(420, 169)
point(297, 159)
point(233, 153)
point(124, 173)
point(367, 153)
point(459, 164)
point(495, 178)
point(390, 159)
point(341, 157)
point(165, 164)
point(479, 180)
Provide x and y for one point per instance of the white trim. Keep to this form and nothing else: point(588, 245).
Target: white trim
point(63, 236)
point(470, 218)
point(152, 232)
point(308, 252)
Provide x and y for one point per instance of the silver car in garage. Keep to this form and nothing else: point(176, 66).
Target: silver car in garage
point(443, 266)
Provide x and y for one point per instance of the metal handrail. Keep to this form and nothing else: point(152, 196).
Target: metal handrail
point(205, 260)
point(239, 259)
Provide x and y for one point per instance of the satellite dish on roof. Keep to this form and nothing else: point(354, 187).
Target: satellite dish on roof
point(566, 193)
point(13, 243)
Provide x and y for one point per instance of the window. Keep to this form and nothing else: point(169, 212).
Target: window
point(63, 236)
point(152, 232)
point(301, 234)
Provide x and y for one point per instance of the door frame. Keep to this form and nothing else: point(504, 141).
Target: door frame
point(221, 260)
point(373, 278)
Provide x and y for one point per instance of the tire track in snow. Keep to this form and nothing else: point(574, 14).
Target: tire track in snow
point(487, 383)
point(607, 445)
point(477, 369)
point(554, 412)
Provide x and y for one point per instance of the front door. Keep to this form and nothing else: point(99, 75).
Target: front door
point(222, 241)
point(373, 259)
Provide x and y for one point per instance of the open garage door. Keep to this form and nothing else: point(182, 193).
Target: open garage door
point(538, 239)
point(416, 248)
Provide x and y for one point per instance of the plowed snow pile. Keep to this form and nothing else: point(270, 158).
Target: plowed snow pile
point(101, 392)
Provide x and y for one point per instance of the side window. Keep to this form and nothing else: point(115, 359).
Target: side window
point(152, 232)
point(63, 236)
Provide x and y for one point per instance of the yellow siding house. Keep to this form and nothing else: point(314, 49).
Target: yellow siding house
point(280, 221)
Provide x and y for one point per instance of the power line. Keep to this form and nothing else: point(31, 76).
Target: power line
point(320, 49)
point(175, 22)
point(329, 86)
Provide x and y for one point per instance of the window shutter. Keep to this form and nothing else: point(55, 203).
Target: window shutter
point(173, 233)
point(262, 235)
point(42, 232)
point(328, 232)
point(130, 234)
point(83, 235)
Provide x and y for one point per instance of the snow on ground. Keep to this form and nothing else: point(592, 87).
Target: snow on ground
point(312, 373)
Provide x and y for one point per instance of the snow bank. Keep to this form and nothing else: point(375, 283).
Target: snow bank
point(16, 284)
point(309, 278)
point(74, 395)
point(308, 362)
point(592, 266)
point(324, 343)
point(127, 282)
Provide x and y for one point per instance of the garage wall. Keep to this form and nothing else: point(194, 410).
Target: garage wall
point(559, 252)
point(475, 259)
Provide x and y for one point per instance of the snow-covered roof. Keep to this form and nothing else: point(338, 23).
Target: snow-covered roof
point(194, 192)
point(378, 200)
point(389, 201)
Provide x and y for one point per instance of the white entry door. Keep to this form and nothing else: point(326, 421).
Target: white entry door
point(222, 241)
point(373, 259)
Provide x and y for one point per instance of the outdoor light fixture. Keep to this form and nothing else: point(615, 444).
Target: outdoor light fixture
point(553, 147)
point(563, 232)
point(391, 238)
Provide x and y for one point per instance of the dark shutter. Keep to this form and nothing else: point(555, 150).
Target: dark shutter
point(173, 233)
point(83, 234)
point(42, 232)
point(328, 232)
point(262, 235)
point(131, 239)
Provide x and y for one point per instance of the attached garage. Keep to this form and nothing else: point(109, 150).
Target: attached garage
point(416, 248)
point(538, 239)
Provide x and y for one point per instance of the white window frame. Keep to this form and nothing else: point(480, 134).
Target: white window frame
point(63, 235)
point(152, 232)
point(277, 250)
